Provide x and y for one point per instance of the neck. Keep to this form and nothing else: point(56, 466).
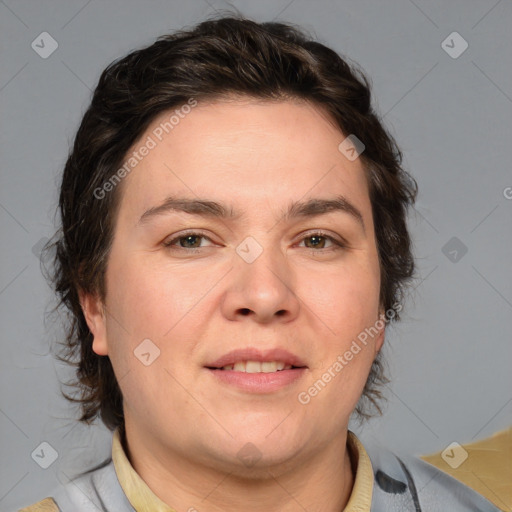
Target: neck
point(320, 482)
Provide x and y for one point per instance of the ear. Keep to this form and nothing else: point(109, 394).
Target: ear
point(94, 313)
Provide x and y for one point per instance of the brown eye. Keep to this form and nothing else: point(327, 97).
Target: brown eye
point(186, 241)
point(319, 241)
point(190, 241)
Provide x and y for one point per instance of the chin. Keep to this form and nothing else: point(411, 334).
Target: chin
point(252, 462)
point(252, 452)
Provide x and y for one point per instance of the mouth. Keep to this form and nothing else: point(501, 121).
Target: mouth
point(255, 371)
point(257, 367)
point(252, 360)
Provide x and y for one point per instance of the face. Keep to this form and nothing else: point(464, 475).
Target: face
point(244, 240)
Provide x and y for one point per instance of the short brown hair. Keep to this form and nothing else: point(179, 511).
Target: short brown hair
point(218, 57)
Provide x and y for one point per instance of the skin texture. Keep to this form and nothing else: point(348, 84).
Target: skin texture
point(184, 428)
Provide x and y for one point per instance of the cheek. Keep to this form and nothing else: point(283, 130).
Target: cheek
point(148, 300)
point(154, 302)
point(143, 326)
point(345, 300)
point(347, 304)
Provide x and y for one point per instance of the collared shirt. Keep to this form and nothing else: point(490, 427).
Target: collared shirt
point(400, 484)
point(143, 499)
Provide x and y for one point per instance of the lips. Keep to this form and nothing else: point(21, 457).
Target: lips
point(236, 357)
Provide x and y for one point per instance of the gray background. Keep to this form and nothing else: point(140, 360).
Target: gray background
point(449, 359)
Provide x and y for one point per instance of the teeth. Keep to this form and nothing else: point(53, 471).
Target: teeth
point(270, 367)
point(257, 366)
point(252, 367)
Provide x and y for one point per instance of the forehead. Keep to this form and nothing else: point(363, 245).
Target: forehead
point(242, 151)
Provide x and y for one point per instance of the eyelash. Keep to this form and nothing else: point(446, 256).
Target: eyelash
point(337, 244)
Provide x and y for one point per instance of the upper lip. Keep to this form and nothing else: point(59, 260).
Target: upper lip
point(253, 354)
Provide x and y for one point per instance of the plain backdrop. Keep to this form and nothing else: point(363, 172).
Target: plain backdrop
point(451, 114)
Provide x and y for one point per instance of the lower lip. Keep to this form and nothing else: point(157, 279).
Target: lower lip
point(259, 382)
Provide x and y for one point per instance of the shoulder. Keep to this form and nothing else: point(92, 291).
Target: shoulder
point(484, 465)
point(97, 489)
point(403, 482)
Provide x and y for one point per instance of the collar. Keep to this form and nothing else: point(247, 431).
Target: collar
point(142, 498)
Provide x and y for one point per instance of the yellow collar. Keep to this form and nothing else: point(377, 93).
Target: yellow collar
point(143, 499)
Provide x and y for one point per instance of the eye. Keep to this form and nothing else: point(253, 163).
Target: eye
point(186, 241)
point(318, 240)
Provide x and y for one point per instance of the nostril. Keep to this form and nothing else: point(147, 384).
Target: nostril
point(245, 311)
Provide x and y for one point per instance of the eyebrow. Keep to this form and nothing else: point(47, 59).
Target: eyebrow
point(212, 209)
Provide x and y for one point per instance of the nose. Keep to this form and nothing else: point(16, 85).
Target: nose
point(262, 290)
